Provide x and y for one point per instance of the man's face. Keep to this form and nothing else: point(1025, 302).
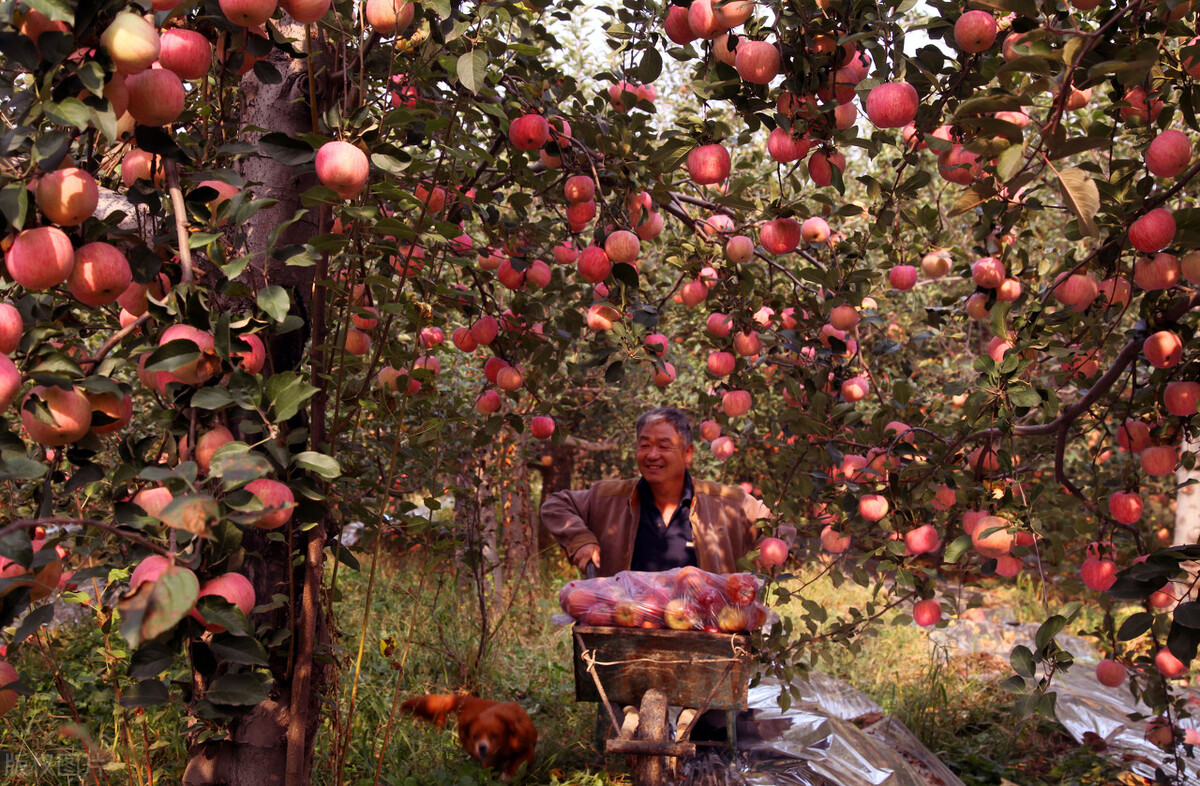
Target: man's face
point(661, 456)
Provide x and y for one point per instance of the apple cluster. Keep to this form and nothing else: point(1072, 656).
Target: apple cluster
point(679, 599)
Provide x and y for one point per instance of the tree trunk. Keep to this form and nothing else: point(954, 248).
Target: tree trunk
point(1187, 500)
point(556, 477)
point(256, 752)
point(518, 532)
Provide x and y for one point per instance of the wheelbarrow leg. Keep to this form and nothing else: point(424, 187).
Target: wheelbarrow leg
point(652, 727)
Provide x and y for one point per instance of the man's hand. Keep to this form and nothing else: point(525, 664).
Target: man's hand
point(586, 554)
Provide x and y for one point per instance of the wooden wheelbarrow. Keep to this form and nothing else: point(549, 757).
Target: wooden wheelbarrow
point(654, 670)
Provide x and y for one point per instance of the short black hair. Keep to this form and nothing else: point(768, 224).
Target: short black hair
point(669, 415)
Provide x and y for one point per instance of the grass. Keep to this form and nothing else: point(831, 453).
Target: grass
point(424, 634)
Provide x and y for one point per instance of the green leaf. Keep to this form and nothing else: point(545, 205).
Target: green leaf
point(1023, 7)
point(650, 68)
point(68, 112)
point(323, 465)
point(1022, 394)
point(219, 612)
point(1048, 630)
point(285, 149)
point(14, 203)
point(56, 10)
point(172, 355)
point(147, 693)
point(1009, 162)
point(287, 392)
point(1022, 662)
point(472, 69)
point(42, 615)
point(245, 650)
point(158, 606)
point(238, 466)
point(211, 398)
point(1188, 614)
point(273, 300)
point(957, 548)
point(238, 690)
point(1135, 626)
point(1082, 197)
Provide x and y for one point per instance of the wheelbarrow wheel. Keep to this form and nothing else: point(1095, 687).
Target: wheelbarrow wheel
point(652, 727)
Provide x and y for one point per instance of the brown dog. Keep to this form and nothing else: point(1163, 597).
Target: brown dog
point(497, 734)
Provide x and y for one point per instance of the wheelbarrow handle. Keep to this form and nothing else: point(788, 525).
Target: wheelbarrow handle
point(590, 571)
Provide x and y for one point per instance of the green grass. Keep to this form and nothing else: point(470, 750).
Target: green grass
point(425, 632)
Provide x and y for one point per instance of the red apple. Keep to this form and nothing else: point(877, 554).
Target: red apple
point(248, 13)
point(975, 31)
point(11, 328)
point(902, 277)
point(140, 165)
point(702, 21)
point(1098, 574)
point(1110, 673)
point(676, 25)
point(203, 368)
point(736, 402)
point(153, 500)
point(892, 104)
point(757, 62)
point(1168, 665)
point(67, 196)
point(487, 402)
point(772, 552)
point(343, 168)
point(991, 537)
point(959, 165)
point(821, 165)
point(1133, 435)
point(622, 246)
point(785, 148)
point(186, 52)
point(118, 409)
point(1156, 271)
point(235, 588)
point(664, 376)
point(855, 389)
point(872, 507)
point(739, 249)
point(1163, 349)
point(70, 413)
point(721, 364)
point(1169, 154)
point(1180, 398)
point(100, 274)
point(927, 612)
point(1160, 459)
point(708, 164)
point(1125, 506)
point(542, 426)
point(388, 16)
point(681, 614)
point(529, 132)
point(594, 264)
point(10, 382)
point(308, 11)
point(722, 448)
point(579, 188)
point(485, 329)
point(814, 230)
point(937, 263)
point(40, 258)
point(988, 272)
point(922, 540)
point(208, 443)
point(1152, 232)
point(278, 500)
point(780, 235)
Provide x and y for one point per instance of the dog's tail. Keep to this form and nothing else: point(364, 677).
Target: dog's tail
point(434, 707)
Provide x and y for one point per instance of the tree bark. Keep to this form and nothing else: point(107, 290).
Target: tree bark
point(518, 531)
point(1187, 500)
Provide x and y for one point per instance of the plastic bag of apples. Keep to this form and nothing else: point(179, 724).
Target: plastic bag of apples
point(678, 599)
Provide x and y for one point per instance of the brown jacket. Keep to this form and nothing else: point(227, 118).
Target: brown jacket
point(607, 514)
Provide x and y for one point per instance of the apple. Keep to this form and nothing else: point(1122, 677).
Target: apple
point(118, 409)
point(1098, 574)
point(487, 402)
point(343, 168)
point(702, 20)
point(278, 500)
point(772, 552)
point(1008, 291)
point(736, 402)
point(652, 227)
point(902, 277)
point(1125, 506)
point(709, 430)
point(40, 258)
point(747, 343)
point(1156, 271)
point(780, 235)
point(722, 448)
point(988, 272)
point(67, 196)
point(248, 13)
point(681, 614)
point(207, 444)
point(579, 188)
point(1163, 349)
point(148, 570)
point(131, 42)
point(1140, 111)
point(1152, 232)
point(140, 165)
point(1110, 673)
point(1078, 291)
point(1159, 459)
point(628, 614)
point(622, 246)
point(721, 364)
point(676, 26)
point(892, 104)
point(1133, 435)
point(959, 165)
point(1168, 665)
point(664, 376)
point(833, 541)
point(308, 11)
point(872, 507)
point(153, 500)
point(509, 378)
point(185, 52)
point(100, 274)
point(814, 230)
point(1180, 398)
point(8, 698)
point(492, 366)
point(718, 325)
point(70, 411)
point(855, 389)
point(785, 148)
point(541, 426)
point(593, 264)
point(10, 382)
point(388, 16)
point(234, 588)
point(821, 165)
point(203, 368)
point(1169, 154)
point(975, 31)
point(656, 342)
point(731, 13)
point(757, 62)
point(733, 619)
point(991, 537)
point(722, 52)
point(708, 164)
point(11, 328)
point(601, 317)
point(927, 613)
point(922, 540)
point(579, 214)
point(485, 329)
point(529, 132)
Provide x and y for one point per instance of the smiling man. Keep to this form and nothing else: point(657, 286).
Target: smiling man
point(663, 520)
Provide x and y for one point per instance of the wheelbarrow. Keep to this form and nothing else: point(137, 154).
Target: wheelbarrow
point(653, 670)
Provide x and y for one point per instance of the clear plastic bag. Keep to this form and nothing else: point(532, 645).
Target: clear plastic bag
point(678, 599)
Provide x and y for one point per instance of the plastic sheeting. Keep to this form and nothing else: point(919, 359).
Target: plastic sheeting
point(835, 737)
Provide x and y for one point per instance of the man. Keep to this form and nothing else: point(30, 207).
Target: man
point(663, 520)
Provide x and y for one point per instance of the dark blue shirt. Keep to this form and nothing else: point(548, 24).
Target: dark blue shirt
point(659, 546)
